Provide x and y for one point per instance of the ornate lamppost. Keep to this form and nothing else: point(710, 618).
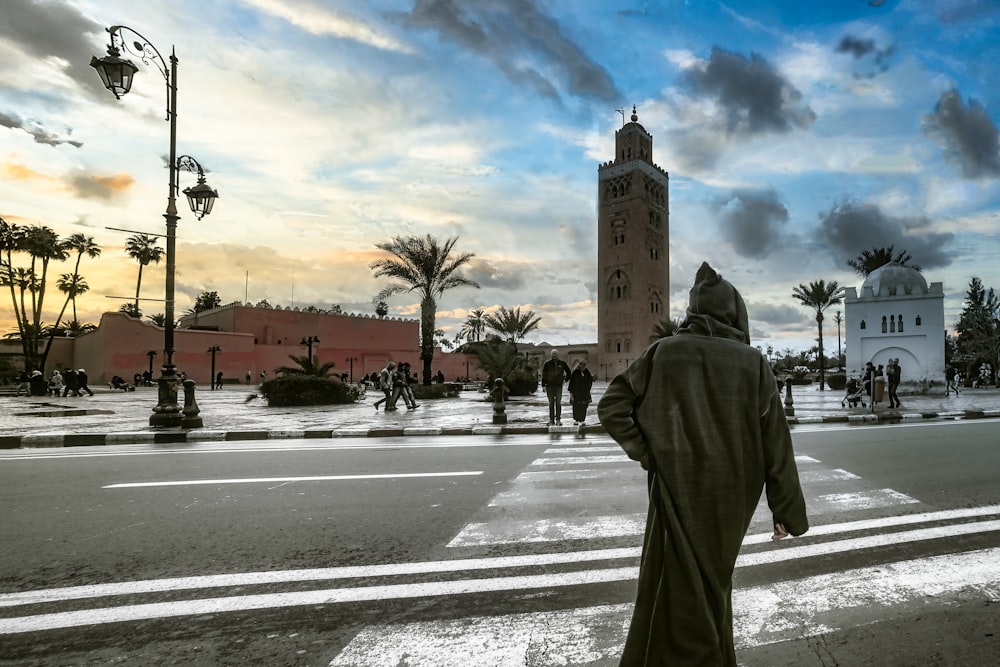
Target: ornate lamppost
point(116, 75)
point(213, 350)
point(151, 354)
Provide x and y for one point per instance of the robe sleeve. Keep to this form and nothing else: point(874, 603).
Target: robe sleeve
point(781, 476)
point(616, 409)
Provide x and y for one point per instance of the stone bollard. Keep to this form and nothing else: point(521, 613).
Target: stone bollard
point(191, 410)
point(499, 402)
point(789, 403)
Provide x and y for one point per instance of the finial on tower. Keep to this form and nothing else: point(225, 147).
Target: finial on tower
point(635, 116)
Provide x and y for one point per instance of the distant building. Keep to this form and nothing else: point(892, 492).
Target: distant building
point(896, 316)
point(633, 261)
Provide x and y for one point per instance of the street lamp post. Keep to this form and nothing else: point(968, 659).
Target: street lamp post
point(213, 350)
point(116, 75)
point(309, 343)
point(351, 361)
point(151, 354)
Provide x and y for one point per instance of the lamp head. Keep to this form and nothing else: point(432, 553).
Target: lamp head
point(116, 73)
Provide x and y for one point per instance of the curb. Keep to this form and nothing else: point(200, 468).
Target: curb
point(40, 440)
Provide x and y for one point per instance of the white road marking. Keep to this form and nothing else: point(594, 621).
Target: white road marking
point(761, 615)
point(580, 460)
point(817, 476)
point(271, 480)
point(841, 502)
point(507, 531)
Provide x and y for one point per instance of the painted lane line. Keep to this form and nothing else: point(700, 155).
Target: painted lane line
point(88, 617)
point(318, 574)
point(872, 499)
point(580, 460)
point(761, 615)
point(775, 555)
point(270, 480)
point(510, 531)
point(818, 476)
point(556, 451)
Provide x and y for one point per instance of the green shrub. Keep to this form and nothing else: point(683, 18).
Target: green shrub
point(837, 381)
point(307, 390)
point(521, 381)
point(429, 391)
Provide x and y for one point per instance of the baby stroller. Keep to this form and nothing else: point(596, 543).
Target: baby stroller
point(855, 394)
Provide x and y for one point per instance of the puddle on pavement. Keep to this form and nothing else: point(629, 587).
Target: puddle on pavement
point(61, 411)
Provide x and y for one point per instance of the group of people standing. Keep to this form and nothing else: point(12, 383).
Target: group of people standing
point(394, 381)
point(555, 372)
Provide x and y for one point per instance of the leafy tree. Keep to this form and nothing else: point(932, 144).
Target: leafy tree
point(159, 319)
point(143, 249)
point(512, 325)
point(978, 325)
point(307, 366)
point(819, 295)
point(130, 309)
point(876, 258)
point(205, 301)
point(263, 303)
point(500, 359)
point(336, 309)
point(667, 327)
point(427, 267)
point(381, 309)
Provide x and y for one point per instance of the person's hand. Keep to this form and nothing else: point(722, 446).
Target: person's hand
point(780, 532)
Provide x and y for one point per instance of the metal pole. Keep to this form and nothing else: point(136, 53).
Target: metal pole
point(167, 412)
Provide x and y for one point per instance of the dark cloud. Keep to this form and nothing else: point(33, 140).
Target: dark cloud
point(751, 221)
point(44, 29)
point(851, 227)
point(754, 95)
point(967, 135)
point(101, 187)
point(40, 135)
point(780, 316)
point(874, 60)
point(528, 46)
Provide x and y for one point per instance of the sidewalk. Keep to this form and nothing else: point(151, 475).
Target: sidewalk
point(114, 417)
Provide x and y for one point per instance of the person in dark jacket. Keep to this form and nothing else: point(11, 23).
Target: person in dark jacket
point(37, 384)
point(554, 373)
point(580, 382)
point(81, 382)
point(71, 383)
point(701, 412)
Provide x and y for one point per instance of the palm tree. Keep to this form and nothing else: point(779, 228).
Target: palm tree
point(143, 249)
point(425, 266)
point(667, 327)
point(474, 325)
point(819, 295)
point(307, 366)
point(511, 324)
point(876, 258)
point(81, 245)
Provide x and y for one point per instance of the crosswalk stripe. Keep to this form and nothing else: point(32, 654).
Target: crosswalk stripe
point(761, 615)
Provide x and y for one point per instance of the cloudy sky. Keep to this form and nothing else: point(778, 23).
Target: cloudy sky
point(796, 134)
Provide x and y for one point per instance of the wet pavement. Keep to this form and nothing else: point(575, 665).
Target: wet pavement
point(233, 413)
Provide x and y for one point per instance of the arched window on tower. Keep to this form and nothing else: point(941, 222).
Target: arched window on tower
point(900, 319)
point(618, 346)
point(918, 320)
point(885, 325)
point(892, 324)
point(862, 324)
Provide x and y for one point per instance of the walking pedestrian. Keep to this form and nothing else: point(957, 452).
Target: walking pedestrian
point(385, 385)
point(407, 392)
point(700, 411)
point(249, 377)
point(580, 382)
point(37, 384)
point(893, 377)
point(218, 380)
point(56, 383)
point(950, 375)
point(71, 383)
point(554, 373)
point(81, 382)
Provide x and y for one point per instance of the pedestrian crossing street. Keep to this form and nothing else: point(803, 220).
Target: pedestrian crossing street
point(586, 499)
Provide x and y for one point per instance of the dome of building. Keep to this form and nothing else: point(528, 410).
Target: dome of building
point(895, 280)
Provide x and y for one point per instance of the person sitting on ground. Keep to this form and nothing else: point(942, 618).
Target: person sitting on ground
point(56, 383)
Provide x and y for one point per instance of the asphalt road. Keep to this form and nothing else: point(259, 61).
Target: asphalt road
point(479, 551)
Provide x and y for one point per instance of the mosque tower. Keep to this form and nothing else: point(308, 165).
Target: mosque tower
point(633, 222)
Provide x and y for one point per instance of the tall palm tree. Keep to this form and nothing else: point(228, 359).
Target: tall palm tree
point(426, 266)
point(81, 245)
point(474, 325)
point(307, 366)
point(876, 258)
point(512, 325)
point(72, 285)
point(143, 249)
point(819, 295)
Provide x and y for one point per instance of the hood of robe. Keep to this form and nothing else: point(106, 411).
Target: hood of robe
point(715, 308)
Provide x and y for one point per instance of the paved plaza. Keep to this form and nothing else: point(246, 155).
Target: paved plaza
point(233, 413)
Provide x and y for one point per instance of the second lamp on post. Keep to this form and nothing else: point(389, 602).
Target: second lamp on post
point(116, 75)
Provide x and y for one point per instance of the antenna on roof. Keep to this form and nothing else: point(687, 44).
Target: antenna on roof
point(622, 112)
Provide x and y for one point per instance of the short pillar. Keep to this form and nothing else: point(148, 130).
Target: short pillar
point(789, 403)
point(499, 395)
point(191, 410)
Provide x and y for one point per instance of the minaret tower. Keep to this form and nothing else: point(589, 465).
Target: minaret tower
point(633, 221)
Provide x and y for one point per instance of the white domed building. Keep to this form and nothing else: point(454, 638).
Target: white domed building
point(896, 316)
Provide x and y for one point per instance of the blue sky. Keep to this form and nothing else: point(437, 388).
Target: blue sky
point(796, 134)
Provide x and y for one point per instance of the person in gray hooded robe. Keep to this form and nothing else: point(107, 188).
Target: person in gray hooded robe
point(701, 412)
